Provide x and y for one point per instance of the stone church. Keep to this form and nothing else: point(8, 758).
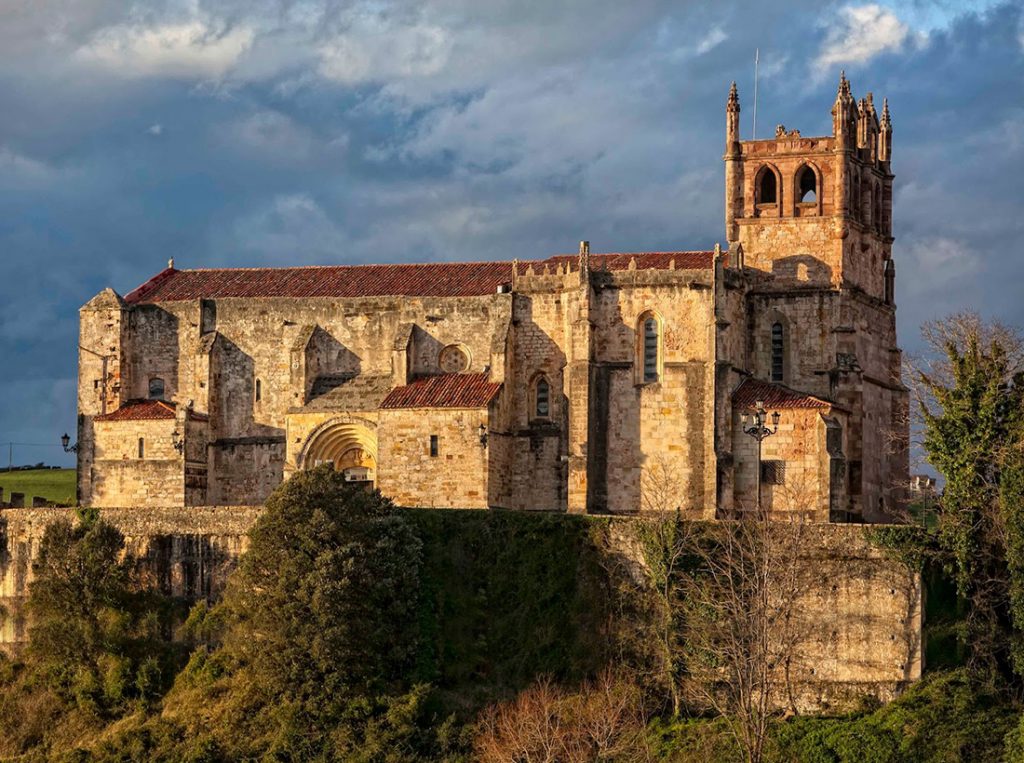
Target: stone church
point(584, 383)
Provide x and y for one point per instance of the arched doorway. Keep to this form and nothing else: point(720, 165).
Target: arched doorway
point(350, 447)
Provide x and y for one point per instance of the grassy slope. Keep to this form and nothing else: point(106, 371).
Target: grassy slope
point(57, 485)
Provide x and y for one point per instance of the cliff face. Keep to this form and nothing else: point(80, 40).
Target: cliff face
point(511, 595)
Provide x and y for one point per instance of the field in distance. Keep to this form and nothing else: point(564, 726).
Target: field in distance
point(56, 485)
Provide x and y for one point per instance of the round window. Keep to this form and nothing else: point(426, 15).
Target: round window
point(454, 359)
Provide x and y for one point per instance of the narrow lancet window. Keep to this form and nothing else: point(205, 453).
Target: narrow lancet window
point(767, 193)
point(542, 403)
point(650, 349)
point(778, 353)
point(142, 448)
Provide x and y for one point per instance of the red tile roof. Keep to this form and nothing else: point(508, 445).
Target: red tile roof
point(774, 396)
point(444, 391)
point(437, 279)
point(140, 410)
point(147, 410)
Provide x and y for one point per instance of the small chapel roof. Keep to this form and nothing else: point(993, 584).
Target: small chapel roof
point(147, 410)
point(434, 279)
point(444, 391)
point(775, 396)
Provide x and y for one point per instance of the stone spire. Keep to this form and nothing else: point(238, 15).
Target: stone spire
point(732, 119)
point(844, 114)
point(885, 134)
point(867, 124)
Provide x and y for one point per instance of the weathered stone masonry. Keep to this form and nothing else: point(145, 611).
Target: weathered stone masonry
point(614, 382)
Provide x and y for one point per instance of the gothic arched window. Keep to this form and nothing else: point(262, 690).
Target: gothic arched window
point(778, 352)
point(542, 398)
point(806, 185)
point(767, 187)
point(649, 348)
point(156, 388)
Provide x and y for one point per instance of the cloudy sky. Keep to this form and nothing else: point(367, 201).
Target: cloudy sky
point(285, 132)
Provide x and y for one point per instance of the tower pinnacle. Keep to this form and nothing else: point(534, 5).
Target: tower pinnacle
point(885, 134)
point(732, 119)
point(844, 114)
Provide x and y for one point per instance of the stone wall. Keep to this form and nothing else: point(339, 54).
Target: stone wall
point(801, 445)
point(861, 611)
point(188, 552)
point(409, 474)
point(860, 621)
point(123, 475)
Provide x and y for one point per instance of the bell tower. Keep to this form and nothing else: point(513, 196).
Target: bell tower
point(813, 216)
point(815, 211)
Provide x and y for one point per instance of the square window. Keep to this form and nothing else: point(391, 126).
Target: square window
point(773, 472)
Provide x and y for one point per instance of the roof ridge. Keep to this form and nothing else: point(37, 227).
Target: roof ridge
point(436, 263)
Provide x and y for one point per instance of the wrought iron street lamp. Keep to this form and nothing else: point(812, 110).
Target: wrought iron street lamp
point(65, 442)
point(755, 424)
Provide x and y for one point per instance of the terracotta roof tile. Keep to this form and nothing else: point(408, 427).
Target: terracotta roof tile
point(140, 410)
point(147, 410)
point(444, 391)
point(774, 396)
point(438, 279)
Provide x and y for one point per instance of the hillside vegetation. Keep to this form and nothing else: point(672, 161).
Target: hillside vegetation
point(354, 631)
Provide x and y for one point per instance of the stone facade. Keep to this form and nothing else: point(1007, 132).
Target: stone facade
point(579, 383)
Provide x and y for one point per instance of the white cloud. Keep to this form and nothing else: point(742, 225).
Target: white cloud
point(373, 50)
point(859, 33)
point(711, 40)
point(180, 50)
point(156, 130)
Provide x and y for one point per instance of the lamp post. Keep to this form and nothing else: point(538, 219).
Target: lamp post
point(65, 441)
point(755, 424)
point(177, 441)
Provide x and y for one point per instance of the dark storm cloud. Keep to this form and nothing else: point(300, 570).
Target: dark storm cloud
point(224, 132)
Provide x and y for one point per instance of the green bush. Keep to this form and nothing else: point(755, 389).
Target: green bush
point(945, 717)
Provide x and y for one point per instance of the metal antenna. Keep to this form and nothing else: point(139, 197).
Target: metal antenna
point(757, 52)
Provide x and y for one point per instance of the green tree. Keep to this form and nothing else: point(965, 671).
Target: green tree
point(970, 398)
point(321, 627)
point(97, 637)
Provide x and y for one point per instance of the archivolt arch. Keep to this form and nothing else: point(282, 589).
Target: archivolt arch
point(345, 442)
